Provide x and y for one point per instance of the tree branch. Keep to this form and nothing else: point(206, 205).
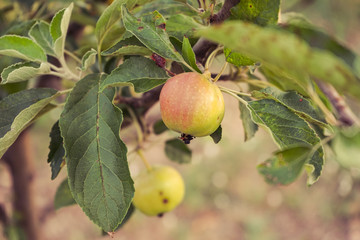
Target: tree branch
point(224, 12)
point(203, 47)
point(146, 101)
point(345, 115)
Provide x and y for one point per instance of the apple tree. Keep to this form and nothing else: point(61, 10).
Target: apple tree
point(106, 66)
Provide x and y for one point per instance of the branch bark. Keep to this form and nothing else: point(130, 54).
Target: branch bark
point(224, 12)
point(146, 101)
point(345, 116)
point(203, 47)
point(19, 158)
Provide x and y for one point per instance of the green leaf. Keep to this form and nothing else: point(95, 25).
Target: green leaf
point(129, 214)
point(63, 196)
point(216, 136)
point(303, 107)
point(108, 19)
point(130, 4)
point(18, 110)
point(177, 151)
point(127, 46)
point(131, 50)
point(317, 38)
point(346, 146)
point(167, 8)
point(189, 54)
point(285, 166)
point(88, 59)
point(287, 130)
point(56, 156)
point(357, 66)
point(113, 36)
point(40, 33)
point(283, 80)
point(141, 73)
point(286, 82)
point(237, 59)
point(23, 71)
point(21, 47)
point(98, 172)
point(20, 28)
point(58, 29)
point(261, 12)
point(152, 34)
point(159, 127)
point(286, 52)
point(180, 26)
point(250, 128)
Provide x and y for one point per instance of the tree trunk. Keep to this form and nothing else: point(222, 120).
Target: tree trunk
point(19, 158)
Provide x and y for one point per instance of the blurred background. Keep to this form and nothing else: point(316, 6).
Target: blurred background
point(225, 198)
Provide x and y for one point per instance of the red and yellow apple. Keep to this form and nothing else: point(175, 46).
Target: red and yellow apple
point(192, 104)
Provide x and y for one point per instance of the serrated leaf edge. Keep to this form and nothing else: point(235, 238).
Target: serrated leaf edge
point(310, 180)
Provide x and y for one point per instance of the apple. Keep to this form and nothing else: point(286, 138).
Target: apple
point(158, 190)
point(192, 104)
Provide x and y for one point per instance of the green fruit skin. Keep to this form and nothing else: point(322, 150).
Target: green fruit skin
point(191, 104)
point(158, 190)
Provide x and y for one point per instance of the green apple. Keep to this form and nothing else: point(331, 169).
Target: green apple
point(192, 104)
point(158, 190)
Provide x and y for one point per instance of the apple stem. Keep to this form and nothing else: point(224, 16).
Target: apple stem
point(139, 132)
point(235, 94)
point(140, 139)
point(221, 72)
point(224, 89)
point(145, 161)
point(258, 83)
point(211, 58)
